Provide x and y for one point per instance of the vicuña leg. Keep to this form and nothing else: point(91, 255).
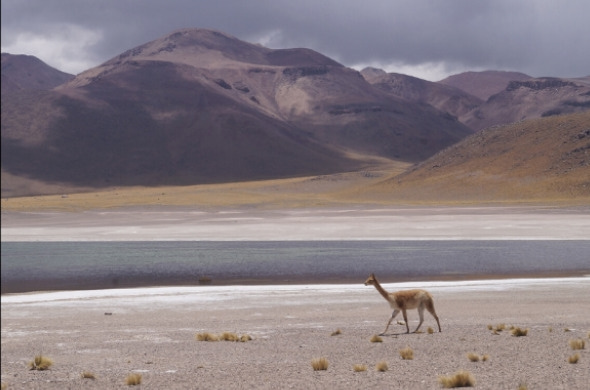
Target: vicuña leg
point(405, 313)
point(421, 314)
point(430, 308)
point(395, 312)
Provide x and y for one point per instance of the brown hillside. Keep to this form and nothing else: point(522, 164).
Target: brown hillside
point(445, 98)
point(540, 159)
point(483, 84)
point(199, 106)
point(533, 98)
point(27, 72)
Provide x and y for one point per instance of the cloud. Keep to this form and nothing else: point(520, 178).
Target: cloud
point(421, 37)
point(65, 47)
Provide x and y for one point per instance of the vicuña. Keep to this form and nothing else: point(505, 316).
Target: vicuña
point(405, 300)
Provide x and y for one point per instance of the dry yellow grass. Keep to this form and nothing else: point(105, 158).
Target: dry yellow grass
point(225, 336)
point(473, 357)
point(500, 327)
point(518, 332)
point(88, 375)
point(359, 368)
point(522, 386)
point(459, 379)
point(485, 358)
point(337, 332)
point(40, 363)
point(206, 336)
point(320, 364)
point(314, 191)
point(577, 344)
point(133, 379)
point(229, 336)
point(376, 339)
point(382, 366)
point(407, 353)
point(574, 358)
point(429, 330)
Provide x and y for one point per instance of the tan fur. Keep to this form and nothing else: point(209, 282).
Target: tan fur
point(406, 300)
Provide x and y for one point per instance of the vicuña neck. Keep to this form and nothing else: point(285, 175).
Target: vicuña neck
point(381, 290)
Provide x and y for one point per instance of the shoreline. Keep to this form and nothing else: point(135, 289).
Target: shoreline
point(37, 287)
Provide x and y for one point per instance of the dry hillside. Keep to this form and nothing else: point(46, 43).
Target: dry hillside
point(535, 160)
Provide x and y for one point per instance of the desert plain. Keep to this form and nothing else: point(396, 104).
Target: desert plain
point(110, 334)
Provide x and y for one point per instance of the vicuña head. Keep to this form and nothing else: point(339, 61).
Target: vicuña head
point(405, 300)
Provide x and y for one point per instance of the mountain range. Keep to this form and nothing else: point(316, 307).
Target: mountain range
point(199, 106)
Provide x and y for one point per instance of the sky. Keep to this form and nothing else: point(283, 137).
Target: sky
point(430, 39)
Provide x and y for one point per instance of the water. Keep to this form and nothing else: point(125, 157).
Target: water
point(32, 266)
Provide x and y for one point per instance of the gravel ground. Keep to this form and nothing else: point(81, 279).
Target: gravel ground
point(113, 333)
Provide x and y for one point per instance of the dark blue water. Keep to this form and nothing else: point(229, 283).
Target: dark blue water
point(32, 266)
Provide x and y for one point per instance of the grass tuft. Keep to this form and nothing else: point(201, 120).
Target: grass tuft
point(245, 337)
point(574, 358)
point(490, 327)
point(88, 375)
point(459, 379)
point(473, 357)
point(133, 379)
point(382, 366)
point(485, 358)
point(522, 386)
point(407, 353)
point(40, 363)
point(320, 364)
point(500, 327)
point(206, 336)
point(229, 336)
point(518, 332)
point(577, 344)
point(359, 368)
point(336, 332)
point(376, 339)
point(430, 330)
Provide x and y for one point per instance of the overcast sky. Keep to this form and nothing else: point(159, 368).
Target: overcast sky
point(430, 39)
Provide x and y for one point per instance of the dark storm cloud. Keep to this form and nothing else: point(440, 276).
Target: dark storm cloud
point(532, 36)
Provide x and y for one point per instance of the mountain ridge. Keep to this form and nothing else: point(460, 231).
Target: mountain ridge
point(159, 114)
point(199, 106)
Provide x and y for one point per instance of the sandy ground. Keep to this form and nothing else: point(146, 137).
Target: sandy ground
point(405, 223)
point(112, 333)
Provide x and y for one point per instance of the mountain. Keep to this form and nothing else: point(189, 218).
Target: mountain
point(200, 106)
point(483, 84)
point(514, 100)
point(23, 72)
point(532, 98)
point(539, 159)
point(443, 97)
